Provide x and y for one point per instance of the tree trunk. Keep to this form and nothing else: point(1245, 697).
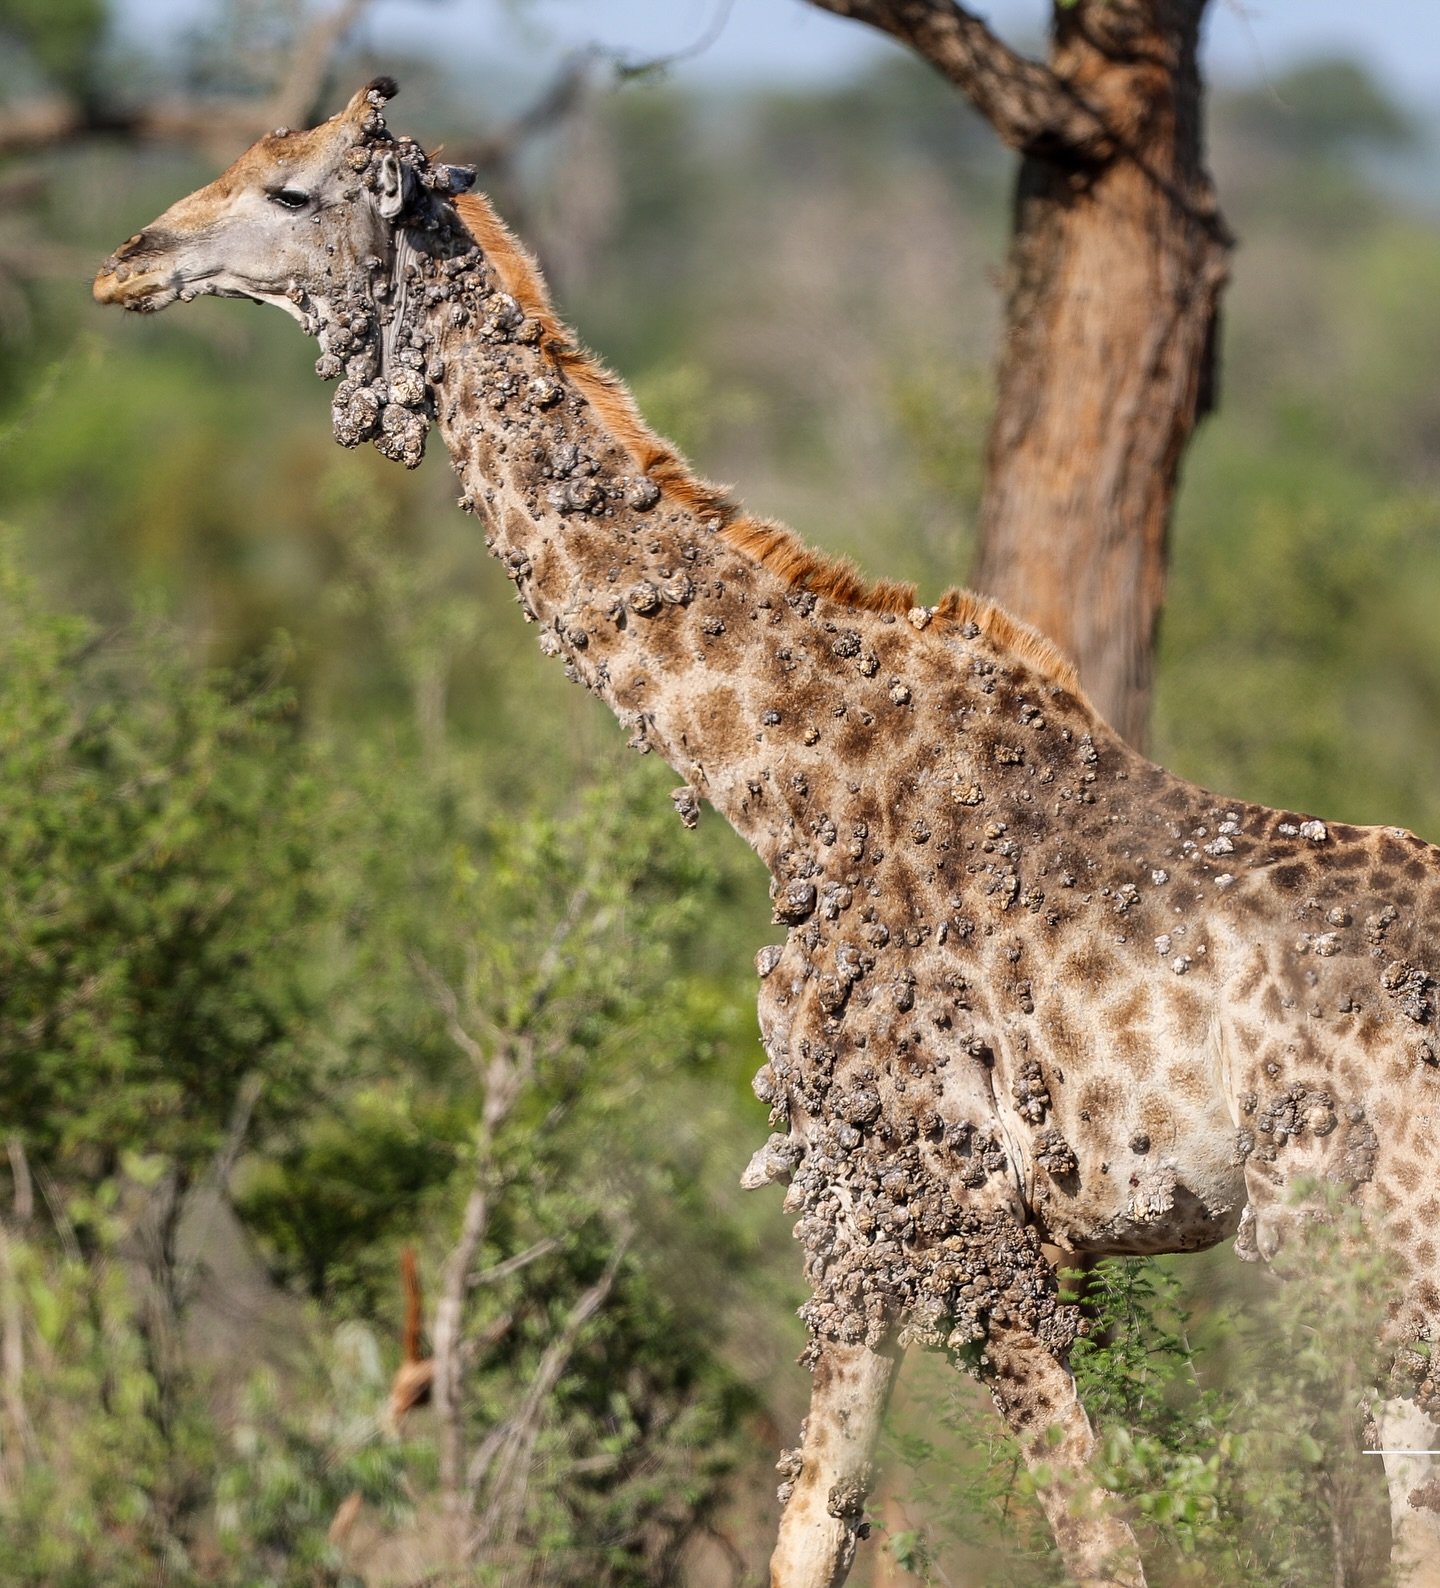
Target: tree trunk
point(1118, 259)
point(1108, 361)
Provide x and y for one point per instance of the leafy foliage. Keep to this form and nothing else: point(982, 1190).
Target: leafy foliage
point(155, 892)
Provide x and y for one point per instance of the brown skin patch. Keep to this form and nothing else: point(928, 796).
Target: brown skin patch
point(1191, 1012)
point(1091, 966)
point(1068, 1045)
point(1407, 1172)
point(1132, 1008)
point(721, 726)
point(1390, 851)
point(1250, 1036)
point(1134, 1051)
point(1189, 1082)
point(1100, 1098)
point(1250, 980)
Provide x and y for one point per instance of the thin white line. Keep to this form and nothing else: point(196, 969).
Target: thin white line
point(1400, 1452)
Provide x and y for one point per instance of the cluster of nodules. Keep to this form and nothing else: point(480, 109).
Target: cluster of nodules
point(1295, 1112)
point(887, 1240)
point(888, 1243)
point(378, 333)
point(389, 406)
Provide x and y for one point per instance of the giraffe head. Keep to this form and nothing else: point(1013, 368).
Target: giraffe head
point(326, 225)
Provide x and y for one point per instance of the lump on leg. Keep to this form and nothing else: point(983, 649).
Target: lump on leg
point(830, 1475)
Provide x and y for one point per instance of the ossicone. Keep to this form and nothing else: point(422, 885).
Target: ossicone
point(369, 101)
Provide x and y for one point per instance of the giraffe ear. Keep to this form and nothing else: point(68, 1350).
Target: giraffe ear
point(452, 179)
point(394, 187)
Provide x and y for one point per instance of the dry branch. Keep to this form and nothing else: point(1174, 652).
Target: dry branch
point(502, 1462)
point(17, 1437)
point(216, 124)
point(1030, 108)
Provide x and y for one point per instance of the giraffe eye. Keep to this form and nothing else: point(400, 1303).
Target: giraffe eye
point(290, 198)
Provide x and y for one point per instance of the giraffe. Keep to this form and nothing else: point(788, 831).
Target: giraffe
point(1035, 992)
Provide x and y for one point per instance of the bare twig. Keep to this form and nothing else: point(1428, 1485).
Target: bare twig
point(17, 1436)
point(222, 1166)
point(562, 97)
point(513, 1265)
point(447, 1331)
point(24, 1186)
point(55, 1205)
point(503, 1461)
point(295, 99)
point(506, 1066)
point(1029, 106)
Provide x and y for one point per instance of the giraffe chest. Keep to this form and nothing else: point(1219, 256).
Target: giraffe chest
point(1086, 1095)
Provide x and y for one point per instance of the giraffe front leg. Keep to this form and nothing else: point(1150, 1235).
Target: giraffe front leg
point(1407, 1435)
point(824, 1515)
point(1035, 1394)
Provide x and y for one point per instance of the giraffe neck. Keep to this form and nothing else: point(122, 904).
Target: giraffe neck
point(692, 621)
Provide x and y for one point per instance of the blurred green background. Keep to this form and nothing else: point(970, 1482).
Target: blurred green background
point(305, 854)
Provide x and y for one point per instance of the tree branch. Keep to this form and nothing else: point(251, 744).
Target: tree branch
point(1028, 105)
point(508, 1450)
point(17, 1437)
point(216, 124)
point(447, 1334)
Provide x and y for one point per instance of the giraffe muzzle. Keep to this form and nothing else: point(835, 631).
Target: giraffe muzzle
point(139, 275)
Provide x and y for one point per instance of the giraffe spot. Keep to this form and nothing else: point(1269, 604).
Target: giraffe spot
point(1246, 986)
point(1088, 968)
point(1392, 852)
point(1407, 1173)
point(1189, 1082)
point(1065, 1041)
point(1190, 1011)
point(1131, 1008)
point(1134, 1051)
point(1100, 1097)
point(1289, 878)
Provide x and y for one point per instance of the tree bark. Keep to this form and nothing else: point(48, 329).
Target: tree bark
point(1116, 266)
